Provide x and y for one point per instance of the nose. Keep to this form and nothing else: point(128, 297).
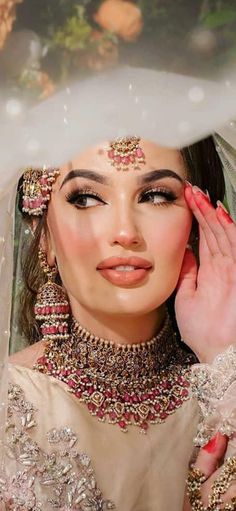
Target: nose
point(125, 230)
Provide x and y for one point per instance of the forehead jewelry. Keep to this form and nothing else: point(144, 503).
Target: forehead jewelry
point(126, 152)
point(37, 187)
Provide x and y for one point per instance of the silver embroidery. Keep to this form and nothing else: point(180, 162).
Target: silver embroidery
point(64, 477)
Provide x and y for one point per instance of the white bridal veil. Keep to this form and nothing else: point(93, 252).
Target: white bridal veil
point(172, 109)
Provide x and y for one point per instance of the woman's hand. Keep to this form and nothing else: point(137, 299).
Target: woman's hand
point(210, 464)
point(206, 296)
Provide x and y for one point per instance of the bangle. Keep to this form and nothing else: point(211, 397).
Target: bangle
point(195, 480)
point(222, 483)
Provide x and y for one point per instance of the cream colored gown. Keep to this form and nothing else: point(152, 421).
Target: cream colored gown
point(86, 465)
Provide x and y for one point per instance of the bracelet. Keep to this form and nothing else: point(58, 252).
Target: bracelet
point(222, 483)
point(196, 478)
point(194, 481)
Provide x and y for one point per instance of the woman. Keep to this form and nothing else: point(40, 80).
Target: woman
point(113, 227)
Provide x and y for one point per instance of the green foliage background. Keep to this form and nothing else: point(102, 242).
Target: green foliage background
point(164, 41)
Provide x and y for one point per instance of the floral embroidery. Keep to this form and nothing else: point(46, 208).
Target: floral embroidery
point(64, 477)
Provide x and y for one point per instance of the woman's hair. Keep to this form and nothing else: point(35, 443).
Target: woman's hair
point(204, 169)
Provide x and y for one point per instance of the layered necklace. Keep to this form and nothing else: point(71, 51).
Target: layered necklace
point(136, 384)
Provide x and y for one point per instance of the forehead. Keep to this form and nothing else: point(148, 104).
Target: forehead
point(96, 158)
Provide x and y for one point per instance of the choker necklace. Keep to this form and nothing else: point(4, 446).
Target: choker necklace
point(136, 384)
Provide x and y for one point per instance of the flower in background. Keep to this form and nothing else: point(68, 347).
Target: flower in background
point(7, 17)
point(120, 17)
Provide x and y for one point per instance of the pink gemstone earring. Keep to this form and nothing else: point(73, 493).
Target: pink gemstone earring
point(52, 307)
point(125, 152)
point(37, 187)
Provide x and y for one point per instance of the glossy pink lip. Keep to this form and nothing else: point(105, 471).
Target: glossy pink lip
point(112, 262)
point(124, 278)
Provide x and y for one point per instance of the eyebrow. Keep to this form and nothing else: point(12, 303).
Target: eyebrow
point(153, 175)
point(88, 174)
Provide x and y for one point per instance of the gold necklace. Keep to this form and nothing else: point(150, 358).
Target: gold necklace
point(136, 384)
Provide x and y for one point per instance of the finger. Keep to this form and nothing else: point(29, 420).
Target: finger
point(229, 226)
point(211, 454)
point(210, 217)
point(204, 251)
point(209, 236)
point(188, 275)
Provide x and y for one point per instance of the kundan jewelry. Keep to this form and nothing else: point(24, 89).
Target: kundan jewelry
point(219, 487)
point(37, 186)
point(194, 482)
point(126, 152)
point(52, 307)
point(223, 482)
point(138, 384)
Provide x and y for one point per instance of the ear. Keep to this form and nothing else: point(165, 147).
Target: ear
point(46, 245)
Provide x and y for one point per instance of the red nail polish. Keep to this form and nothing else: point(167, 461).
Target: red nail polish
point(211, 445)
point(224, 212)
point(200, 193)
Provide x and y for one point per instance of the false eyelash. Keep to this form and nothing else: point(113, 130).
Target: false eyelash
point(72, 197)
point(167, 194)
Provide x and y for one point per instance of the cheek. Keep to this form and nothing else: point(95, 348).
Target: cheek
point(73, 237)
point(171, 234)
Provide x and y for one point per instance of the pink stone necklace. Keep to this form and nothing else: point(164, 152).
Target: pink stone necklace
point(128, 385)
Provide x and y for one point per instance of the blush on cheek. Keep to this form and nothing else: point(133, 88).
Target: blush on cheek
point(70, 242)
point(70, 234)
point(171, 237)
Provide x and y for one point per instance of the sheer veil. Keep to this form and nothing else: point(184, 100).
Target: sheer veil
point(122, 101)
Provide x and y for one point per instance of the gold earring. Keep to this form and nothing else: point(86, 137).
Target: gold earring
point(52, 306)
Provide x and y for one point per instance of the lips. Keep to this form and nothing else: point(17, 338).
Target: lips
point(113, 262)
point(118, 270)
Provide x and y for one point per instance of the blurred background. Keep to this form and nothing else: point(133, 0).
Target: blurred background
point(45, 43)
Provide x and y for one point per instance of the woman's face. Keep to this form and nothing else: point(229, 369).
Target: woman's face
point(98, 214)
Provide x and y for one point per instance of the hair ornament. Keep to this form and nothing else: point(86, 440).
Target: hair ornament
point(37, 187)
point(125, 152)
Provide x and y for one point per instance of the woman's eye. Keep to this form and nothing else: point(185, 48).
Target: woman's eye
point(84, 200)
point(158, 197)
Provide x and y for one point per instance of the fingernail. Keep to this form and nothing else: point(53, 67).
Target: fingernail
point(224, 212)
point(187, 183)
point(221, 205)
point(197, 190)
point(212, 444)
point(207, 194)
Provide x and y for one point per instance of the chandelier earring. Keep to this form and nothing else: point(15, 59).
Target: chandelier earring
point(52, 306)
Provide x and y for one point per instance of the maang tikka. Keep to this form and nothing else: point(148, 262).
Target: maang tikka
point(125, 152)
point(52, 306)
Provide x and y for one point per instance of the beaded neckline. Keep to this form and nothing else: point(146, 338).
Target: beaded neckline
point(138, 384)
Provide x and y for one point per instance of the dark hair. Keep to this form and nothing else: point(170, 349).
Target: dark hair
point(204, 169)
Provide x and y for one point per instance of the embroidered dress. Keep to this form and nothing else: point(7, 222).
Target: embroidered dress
point(61, 454)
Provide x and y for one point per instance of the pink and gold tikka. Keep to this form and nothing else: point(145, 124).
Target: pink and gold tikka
point(126, 151)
